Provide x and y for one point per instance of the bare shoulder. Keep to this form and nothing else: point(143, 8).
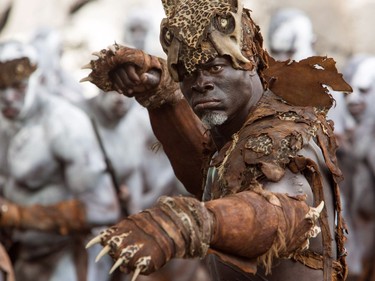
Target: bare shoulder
point(296, 183)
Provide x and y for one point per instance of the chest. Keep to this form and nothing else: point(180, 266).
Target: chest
point(124, 146)
point(30, 159)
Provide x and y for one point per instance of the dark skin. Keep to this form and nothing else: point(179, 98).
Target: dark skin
point(210, 89)
point(207, 90)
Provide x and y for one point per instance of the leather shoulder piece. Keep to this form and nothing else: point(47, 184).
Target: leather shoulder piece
point(310, 78)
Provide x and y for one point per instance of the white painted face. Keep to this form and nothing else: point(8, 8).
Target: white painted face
point(291, 36)
point(363, 84)
point(137, 26)
point(12, 99)
point(18, 95)
point(113, 105)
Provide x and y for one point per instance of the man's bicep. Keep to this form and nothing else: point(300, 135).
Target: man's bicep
point(292, 184)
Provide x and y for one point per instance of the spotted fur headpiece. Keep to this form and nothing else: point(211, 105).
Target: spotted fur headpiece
point(196, 31)
point(12, 72)
point(17, 62)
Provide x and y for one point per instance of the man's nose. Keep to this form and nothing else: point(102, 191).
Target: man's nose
point(202, 83)
point(8, 95)
point(355, 97)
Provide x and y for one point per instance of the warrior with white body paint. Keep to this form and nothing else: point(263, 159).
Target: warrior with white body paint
point(55, 188)
point(254, 147)
point(360, 213)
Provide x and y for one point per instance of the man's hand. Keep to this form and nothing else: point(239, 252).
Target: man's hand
point(130, 83)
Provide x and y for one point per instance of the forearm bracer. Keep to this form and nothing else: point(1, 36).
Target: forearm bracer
point(246, 224)
point(64, 217)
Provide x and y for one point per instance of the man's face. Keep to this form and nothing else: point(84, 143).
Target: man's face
point(114, 105)
point(363, 84)
point(217, 92)
point(12, 99)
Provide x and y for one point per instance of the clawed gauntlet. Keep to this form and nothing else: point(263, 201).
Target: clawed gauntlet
point(183, 227)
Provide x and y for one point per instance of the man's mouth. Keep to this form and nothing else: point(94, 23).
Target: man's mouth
point(205, 104)
point(357, 108)
point(10, 112)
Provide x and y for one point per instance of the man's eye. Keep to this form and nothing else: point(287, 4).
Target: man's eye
point(364, 91)
point(216, 68)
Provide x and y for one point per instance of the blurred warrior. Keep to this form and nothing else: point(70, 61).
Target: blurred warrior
point(55, 189)
point(360, 73)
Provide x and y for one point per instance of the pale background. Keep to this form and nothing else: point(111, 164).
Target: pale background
point(343, 27)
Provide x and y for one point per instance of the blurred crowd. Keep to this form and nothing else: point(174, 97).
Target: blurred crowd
point(74, 159)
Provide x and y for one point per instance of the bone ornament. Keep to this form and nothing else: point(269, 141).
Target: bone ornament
point(183, 227)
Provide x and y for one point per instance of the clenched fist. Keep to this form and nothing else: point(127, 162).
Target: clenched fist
point(133, 73)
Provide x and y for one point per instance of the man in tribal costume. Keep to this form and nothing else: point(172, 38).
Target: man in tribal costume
point(55, 189)
point(252, 130)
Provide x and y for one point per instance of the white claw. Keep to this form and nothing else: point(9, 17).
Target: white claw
point(314, 213)
point(102, 253)
point(136, 273)
point(94, 241)
point(97, 54)
point(116, 265)
point(112, 48)
point(319, 209)
point(86, 79)
point(87, 66)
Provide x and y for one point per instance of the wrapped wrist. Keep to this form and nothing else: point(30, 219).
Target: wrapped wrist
point(10, 215)
point(167, 92)
point(193, 221)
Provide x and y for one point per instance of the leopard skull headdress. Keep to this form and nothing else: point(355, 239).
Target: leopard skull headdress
point(196, 31)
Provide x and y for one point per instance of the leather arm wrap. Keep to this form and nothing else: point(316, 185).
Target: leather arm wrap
point(245, 224)
point(192, 224)
point(167, 92)
point(178, 227)
point(64, 217)
point(262, 226)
